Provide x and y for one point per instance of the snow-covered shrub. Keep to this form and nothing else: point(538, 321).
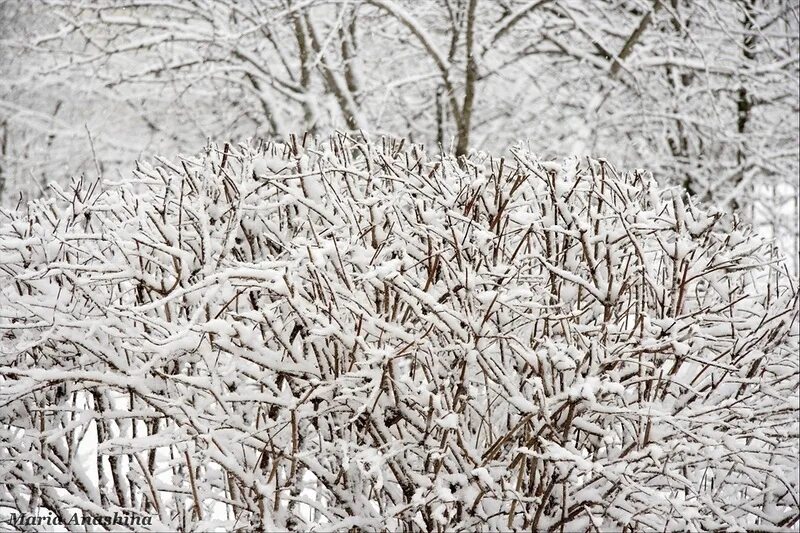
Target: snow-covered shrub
point(361, 335)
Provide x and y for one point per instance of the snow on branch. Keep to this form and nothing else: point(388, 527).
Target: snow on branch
point(351, 335)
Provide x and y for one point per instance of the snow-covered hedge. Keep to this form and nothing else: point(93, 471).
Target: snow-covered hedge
point(353, 335)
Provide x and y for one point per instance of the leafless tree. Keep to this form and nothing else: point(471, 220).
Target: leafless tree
point(351, 335)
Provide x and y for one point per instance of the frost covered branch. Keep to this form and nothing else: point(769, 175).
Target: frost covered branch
point(351, 335)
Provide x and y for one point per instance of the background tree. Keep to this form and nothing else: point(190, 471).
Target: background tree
point(705, 92)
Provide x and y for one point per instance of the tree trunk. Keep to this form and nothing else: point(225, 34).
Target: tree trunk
point(743, 102)
point(462, 141)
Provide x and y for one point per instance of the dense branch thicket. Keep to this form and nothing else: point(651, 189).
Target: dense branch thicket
point(278, 336)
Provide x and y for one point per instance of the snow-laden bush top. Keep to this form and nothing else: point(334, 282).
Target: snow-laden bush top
point(356, 335)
